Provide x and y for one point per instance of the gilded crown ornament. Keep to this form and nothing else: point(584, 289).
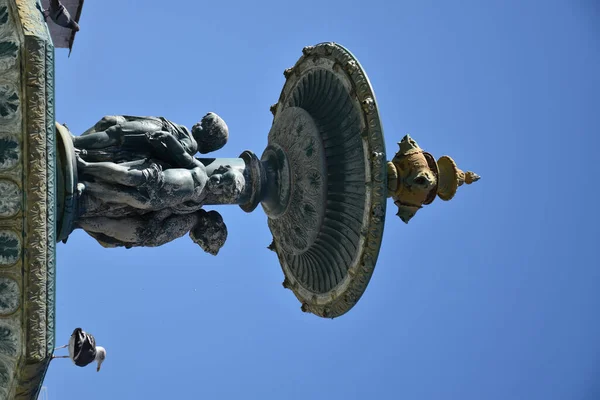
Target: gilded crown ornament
point(415, 178)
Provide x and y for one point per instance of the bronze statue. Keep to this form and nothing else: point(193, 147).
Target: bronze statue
point(149, 189)
point(127, 138)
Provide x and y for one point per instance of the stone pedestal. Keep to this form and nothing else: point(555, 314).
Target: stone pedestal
point(27, 199)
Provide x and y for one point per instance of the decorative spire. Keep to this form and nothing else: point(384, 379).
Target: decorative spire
point(471, 177)
point(451, 177)
point(415, 178)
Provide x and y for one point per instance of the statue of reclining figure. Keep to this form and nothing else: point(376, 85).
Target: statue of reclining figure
point(127, 138)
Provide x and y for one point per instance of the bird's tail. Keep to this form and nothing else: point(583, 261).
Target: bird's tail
point(77, 331)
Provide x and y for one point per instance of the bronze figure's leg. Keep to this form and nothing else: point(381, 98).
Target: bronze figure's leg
point(118, 194)
point(111, 172)
point(105, 123)
point(98, 140)
point(115, 134)
point(123, 230)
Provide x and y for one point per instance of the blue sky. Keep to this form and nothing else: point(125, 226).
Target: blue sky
point(493, 295)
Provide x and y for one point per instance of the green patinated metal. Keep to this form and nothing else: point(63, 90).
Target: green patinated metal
point(335, 196)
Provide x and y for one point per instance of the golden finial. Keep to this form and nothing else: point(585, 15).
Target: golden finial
point(451, 177)
point(415, 178)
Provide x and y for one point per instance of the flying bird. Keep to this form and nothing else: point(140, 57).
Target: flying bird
point(83, 349)
point(59, 14)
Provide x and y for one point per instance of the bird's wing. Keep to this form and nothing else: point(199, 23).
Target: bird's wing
point(76, 342)
point(91, 340)
point(83, 348)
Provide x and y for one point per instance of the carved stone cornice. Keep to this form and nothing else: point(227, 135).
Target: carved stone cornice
point(27, 199)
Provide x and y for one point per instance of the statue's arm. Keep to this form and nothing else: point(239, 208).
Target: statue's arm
point(165, 142)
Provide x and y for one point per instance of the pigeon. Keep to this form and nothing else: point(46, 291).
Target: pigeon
point(59, 14)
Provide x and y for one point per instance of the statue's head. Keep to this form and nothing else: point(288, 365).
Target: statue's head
point(226, 183)
point(210, 232)
point(211, 133)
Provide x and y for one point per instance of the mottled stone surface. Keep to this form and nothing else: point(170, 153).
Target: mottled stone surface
point(9, 340)
point(9, 151)
point(10, 201)
point(10, 248)
point(6, 377)
point(27, 203)
point(8, 50)
point(9, 101)
point(10, 296)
